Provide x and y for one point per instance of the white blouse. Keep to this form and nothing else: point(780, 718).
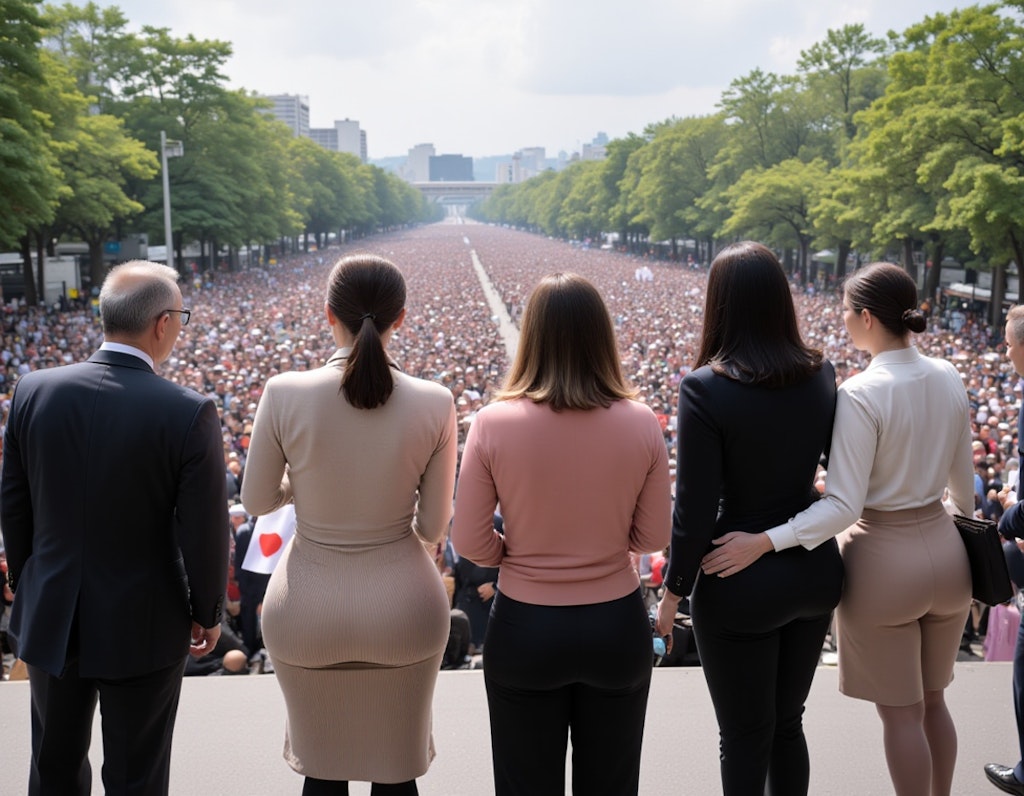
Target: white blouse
point(902, 434)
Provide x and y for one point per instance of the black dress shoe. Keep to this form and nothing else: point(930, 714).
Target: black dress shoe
point(1002, 777)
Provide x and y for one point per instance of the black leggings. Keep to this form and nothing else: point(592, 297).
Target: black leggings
point(552, 670)
point(760, 634)
point(331, 787)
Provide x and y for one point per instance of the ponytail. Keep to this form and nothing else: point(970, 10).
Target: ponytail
point(368, 382)
point(366, 293)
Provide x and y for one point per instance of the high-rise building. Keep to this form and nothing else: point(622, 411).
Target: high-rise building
point(293, 110)
point(349, 139)
point(596, 149)
point(417, 164)
point(451, 168)
point(345, 136)
point(327, 137)
point(532, 161)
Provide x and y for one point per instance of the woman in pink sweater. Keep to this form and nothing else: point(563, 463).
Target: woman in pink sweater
point(581, 472)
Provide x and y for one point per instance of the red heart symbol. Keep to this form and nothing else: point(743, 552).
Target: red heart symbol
point(270, 543)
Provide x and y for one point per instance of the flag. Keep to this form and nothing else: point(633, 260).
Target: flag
point(269, 537)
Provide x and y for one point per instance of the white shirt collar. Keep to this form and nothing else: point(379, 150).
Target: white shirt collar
point(121, 348)
point(899, 356)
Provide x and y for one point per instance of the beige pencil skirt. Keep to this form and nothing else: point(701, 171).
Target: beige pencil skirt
point(904, 605)
point(356, 637)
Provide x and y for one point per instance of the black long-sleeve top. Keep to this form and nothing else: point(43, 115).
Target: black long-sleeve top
point(746, 461)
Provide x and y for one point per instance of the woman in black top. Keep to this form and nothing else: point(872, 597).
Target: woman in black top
point(755, 416)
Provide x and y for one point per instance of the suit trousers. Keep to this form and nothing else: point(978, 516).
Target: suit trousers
point(137, 717)
point(1018, 698)
point(554, 670)
point(760, 634)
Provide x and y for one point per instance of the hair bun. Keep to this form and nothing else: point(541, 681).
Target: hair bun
point(915, 320)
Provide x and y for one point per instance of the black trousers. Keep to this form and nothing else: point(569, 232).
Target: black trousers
point(555, 670)
point(760, 634)
point(137, 720)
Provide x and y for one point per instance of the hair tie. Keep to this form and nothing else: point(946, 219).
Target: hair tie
point(369, 315)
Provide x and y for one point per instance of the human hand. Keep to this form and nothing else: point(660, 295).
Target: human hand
point(486, 591)
point(665, 619)
point(1007, 497)
point(204, 639)
point(735, 552)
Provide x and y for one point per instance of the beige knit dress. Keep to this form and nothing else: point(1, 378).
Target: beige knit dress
point(356, 617)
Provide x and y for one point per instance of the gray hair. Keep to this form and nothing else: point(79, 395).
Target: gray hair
point(134, 294)
point(1015, 320)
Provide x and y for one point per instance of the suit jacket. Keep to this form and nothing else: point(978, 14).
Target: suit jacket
point(1011, 524)
point(113, 509)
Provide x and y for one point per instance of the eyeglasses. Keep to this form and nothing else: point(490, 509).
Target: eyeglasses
point(185, 315)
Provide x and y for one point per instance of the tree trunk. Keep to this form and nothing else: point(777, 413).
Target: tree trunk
point(41, 263)
point(177, 261)
point(787, 261)
point(998, 293)
point(1018, 257)
point(908, 259)
point(934, 274)
point(97, 268)
point(31, 296)
point(842, 254)
point(805, 256)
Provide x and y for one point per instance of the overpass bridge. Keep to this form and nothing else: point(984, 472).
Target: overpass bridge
point(462, 194)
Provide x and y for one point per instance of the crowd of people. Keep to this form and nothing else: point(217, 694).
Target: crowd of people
point(248, 326)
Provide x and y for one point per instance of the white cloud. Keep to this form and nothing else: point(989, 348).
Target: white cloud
point(491, 76)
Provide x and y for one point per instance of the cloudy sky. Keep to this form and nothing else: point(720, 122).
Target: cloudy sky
point(488, 77)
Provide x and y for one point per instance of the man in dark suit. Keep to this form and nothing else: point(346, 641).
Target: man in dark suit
point(113, 508)
point(1007, 779)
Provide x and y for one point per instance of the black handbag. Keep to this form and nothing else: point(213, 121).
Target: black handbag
point(990, 580)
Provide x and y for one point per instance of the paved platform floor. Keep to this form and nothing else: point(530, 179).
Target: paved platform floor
point(229, 731)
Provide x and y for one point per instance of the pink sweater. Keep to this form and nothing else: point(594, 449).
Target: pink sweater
point(578, 491)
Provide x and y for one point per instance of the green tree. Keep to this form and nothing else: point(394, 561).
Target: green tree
point(97, 159)
point(676, 174)
point(846, 65)
point(29, 172)
point(584, 213)
point(621, 207)
point(941, 152)
point(777, 203)
point(92, 43)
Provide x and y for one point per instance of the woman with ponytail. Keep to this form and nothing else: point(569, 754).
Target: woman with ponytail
point(356, 617)
point(901, 437)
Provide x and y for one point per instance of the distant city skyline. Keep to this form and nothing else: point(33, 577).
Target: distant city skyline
point(492, 77)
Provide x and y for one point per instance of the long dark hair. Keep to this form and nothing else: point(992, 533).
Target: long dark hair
point(567, 357)
point(367, 294)
point(750, 329)
point(887, 292)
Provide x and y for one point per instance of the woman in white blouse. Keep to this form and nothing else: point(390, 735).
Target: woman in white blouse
point(901, 436)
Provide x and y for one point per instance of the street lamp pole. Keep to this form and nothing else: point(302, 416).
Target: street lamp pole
point(168, 149)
